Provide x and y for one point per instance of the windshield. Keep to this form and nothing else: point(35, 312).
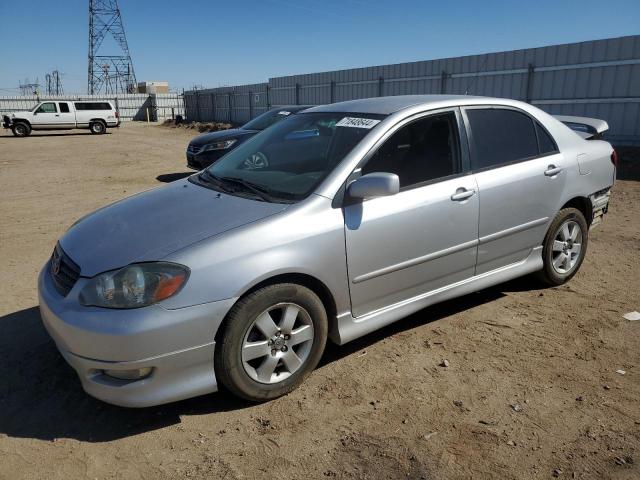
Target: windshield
point(267, 119)
point(286, 162)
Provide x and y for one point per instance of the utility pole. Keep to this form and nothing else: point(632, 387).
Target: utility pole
point(111, 73)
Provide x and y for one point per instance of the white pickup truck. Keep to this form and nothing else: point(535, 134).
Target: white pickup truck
point(97, 116)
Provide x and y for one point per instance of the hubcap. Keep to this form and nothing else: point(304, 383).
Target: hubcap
point(567, 246)
point(277, 343)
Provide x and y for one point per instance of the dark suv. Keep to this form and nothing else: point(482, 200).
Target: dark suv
point(207, 148)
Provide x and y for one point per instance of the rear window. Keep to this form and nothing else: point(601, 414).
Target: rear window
point(501, 136)
point(92, 106)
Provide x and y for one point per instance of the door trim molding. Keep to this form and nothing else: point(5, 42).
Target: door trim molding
point(513, 230)
point(415, 261)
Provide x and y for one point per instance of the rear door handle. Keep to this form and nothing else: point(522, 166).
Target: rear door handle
point(462, 194)
point(552, 170)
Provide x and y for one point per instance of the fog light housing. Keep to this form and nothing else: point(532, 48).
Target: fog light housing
point(135, 374)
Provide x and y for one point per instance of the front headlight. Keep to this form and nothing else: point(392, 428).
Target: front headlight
point(135, 286)
point(222, 145)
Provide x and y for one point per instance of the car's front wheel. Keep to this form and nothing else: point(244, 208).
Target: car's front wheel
point(271, 340)
point(565, 246)
point(21, 129)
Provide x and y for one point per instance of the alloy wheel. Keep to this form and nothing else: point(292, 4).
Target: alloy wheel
point(567, 245)
point(277, 343)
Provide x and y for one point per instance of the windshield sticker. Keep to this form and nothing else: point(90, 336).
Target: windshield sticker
point(284, 112)
point(357, 122)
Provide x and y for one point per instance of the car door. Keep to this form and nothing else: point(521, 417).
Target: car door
point(424, 237)
point(65, 117)
point(520, 175)
point(45, 116)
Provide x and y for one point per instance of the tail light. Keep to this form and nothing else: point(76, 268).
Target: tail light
point(614, 158)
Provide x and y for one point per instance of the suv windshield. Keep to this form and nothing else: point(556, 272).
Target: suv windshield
point(267, 119)
point(286, 162)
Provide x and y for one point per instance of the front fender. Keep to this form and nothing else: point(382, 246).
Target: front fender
point(307, 238)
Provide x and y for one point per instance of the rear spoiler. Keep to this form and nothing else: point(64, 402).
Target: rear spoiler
point(587, 128)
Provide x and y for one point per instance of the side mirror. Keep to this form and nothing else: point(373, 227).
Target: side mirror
point(378, 184)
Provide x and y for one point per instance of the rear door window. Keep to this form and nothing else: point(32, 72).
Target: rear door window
point(546, 144)
point(500, 136)
point(64, 107)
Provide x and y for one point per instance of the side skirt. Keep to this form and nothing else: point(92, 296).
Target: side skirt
point(350, 328)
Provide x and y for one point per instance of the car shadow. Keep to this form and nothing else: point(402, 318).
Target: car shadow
point(41, 396)
point(56, 134)
point(172, 177)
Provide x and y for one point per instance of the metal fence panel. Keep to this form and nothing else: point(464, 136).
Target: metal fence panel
point(134, 106)
point(599, 78)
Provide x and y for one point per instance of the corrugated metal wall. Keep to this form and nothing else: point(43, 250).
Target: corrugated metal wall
point(228, 104)
point(131, 106)
point(599, 78)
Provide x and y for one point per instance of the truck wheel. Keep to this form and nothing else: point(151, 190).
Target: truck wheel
point(565, 246)
point(21, 129)
point(271, 340)
point(97, 128)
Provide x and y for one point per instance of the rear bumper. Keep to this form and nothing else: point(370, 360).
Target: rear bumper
point(178, 345)
point(600, 206)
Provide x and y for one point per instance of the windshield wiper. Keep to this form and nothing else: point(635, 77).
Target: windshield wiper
point(206, 177)
point(259, 190)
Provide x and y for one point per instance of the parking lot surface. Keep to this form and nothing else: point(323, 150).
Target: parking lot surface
point(531, 389)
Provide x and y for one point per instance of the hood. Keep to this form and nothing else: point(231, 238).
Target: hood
point(152, 224)
point(220, 135)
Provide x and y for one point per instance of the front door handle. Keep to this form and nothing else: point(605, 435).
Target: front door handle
point(552, 170)
point(57, 115)
point(462, 194)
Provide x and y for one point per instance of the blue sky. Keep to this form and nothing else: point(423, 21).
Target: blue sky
point(214, 43)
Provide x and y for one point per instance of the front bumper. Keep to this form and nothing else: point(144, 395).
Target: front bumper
point(177, 344)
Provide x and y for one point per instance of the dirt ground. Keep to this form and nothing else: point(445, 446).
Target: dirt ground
point(531, 390)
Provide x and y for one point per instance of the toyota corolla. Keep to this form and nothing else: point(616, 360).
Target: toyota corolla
point(360, 213)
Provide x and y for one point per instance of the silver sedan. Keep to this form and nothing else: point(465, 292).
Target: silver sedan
point(358, 214)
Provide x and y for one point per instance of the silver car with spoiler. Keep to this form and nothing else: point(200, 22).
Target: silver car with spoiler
point(361, 213)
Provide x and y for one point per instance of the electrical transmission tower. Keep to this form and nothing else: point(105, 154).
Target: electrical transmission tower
point(54, 84)
point(108, 73)
point(28, 88)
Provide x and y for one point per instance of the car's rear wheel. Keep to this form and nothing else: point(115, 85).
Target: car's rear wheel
point(21, 129)
point(271, 340)
point(565, 246)
point(97, 127)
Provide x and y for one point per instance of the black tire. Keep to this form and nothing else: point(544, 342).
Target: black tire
point(551, 274)
point(21, 129)
point(239, 324)
point(98, 127)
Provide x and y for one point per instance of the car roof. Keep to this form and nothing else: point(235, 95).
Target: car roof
point(292, 108)
point(389, 105)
